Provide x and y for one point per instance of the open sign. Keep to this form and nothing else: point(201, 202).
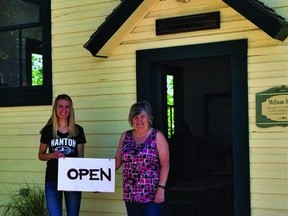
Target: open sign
point(86, 174)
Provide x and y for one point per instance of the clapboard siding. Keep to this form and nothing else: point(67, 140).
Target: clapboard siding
point(80, 12)
point(27, 141)
point(98, 66)
point(266, 67)
point(104, 88)
point(269, 186)
point(268, 170)
point(9, 118)
point(266, 140)
point(270, 201)
point(268, 212)
point(89, 77)
point(18, 178)
point(17, 164)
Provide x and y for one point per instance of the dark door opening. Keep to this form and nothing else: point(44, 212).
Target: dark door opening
point(212, 102)
point(199, 133)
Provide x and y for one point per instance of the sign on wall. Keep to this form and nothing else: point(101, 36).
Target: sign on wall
point(272, 107)
point(86, 174)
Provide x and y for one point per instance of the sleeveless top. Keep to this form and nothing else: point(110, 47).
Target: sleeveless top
point(141, 168)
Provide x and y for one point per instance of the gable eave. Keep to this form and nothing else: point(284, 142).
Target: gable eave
point(119, 23)
point(110, 26)
point(262, 16)
point(125, 16)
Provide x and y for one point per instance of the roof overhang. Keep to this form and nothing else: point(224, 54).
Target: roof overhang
point(128, 13)
point(262, 16)
point(118, 24)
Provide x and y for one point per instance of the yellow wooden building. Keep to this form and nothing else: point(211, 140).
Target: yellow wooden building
point(107, 54)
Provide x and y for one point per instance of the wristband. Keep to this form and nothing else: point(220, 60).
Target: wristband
point(161, 186)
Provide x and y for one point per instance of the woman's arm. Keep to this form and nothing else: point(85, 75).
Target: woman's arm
point(43, 156)
point(163, 152)
point(118, 161)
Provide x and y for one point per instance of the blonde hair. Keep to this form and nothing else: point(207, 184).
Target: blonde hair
point(53, 120)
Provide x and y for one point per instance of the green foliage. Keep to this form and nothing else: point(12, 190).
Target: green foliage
point(170, 90)
point(30, 201)
point(170, 105)
point(37, 70)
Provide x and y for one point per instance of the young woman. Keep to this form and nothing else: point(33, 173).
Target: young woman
point(61, 137)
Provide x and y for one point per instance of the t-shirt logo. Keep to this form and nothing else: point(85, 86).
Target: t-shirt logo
point(63, 149)
point(63, 145)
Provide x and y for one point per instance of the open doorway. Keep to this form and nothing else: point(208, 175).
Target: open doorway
point(199, 133)
point(212, 173)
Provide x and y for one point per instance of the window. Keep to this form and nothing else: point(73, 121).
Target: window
point(170, 105)
point(25, 53)
point(174, 98)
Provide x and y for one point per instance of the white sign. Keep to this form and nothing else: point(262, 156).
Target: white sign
point(86, 174)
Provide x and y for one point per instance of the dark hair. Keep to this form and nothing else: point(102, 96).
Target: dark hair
point(137, 108)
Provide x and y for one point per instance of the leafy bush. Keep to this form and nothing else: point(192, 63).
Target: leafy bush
point(37, 69)
point(29, 201)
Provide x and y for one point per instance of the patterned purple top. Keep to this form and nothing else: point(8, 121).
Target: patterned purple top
point(141, 168)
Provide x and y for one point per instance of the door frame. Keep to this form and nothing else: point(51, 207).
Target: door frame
point(148, 84)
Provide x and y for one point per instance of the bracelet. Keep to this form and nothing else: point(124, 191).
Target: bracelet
point(161, 186)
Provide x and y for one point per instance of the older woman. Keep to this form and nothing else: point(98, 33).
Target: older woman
point(144, 153)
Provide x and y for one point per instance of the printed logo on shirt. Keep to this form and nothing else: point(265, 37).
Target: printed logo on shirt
point(63, 145)
point(63, 149)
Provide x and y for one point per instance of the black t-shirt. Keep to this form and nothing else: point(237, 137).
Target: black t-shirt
point(67, 146)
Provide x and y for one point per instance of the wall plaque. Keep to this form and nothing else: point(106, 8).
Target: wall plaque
point(272, 107)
